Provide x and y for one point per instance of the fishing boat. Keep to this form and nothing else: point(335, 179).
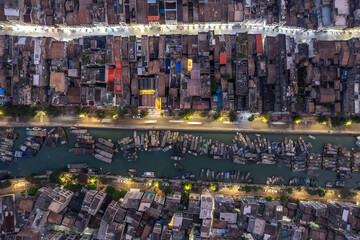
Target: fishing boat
point(132, 170)
point(312, 137)
point(148, 174)
point(178, 167)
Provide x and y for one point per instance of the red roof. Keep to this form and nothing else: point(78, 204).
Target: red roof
point(118, 89)
point(111, 75)
point(259, 44)
point(222, 59)
point(118, 73)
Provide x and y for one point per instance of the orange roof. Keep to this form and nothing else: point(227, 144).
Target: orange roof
point(153, 18)
point(259, 44)
point(222, 59)
point(118, 64)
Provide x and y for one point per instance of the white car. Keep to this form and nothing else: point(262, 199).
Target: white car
point(165, 184)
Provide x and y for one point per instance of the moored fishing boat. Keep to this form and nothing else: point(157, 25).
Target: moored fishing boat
point(178, 167)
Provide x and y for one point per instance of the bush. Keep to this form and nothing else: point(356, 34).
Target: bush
point(269, 198)
point(187, 114)
point(168, 191)
point(355, 118)
point(251, 118)
point(5, 184)
point(100, 114)
point(32, 191)
point(247, 189)
point(231, 187)
point(289, 190)
point(132, 180)
point(161, 114)
point(201, 115)
point(144, 113)
point(91, 186)
point(73, 187)
point(233, 116)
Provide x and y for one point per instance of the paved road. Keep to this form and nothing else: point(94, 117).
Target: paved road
point(68, 33)
point(196, 124)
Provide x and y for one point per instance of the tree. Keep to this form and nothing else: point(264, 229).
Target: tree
point(214, 86)
point(168, 191)
point(32, 179)
point(282, 198)
point(231, 187)
point(321, 192)
point(100, 114)
point(185, 199)
point(346, 193)
point(55, 176)
point(161, 114)
point(110, 190)
point(265, 117)
point(54, 111)
point(217, 116)
point(186, 114)
point(296, 117)
point(247, 189)
point(269, 198)
point(80, 112)
point(339, 120)
point(73, 187)
point(187, 186)
point(132, 180)
point(144, 113)
point(289, 190)
point(32, 191)
point(256, 188)
point(134, 112)
point(322, 119)
point(233, 116)
point(118, 194)
point(145, 181)
point(121, 112)
point(105, 180)
point(355, 118)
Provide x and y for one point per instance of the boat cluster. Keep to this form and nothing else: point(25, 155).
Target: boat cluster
point(36, 137)
point(229, 175)
point(7, 140)
point(103, 149)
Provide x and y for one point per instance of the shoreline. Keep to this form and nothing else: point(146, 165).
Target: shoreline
point(192, 128)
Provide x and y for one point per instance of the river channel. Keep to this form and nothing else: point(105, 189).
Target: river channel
point(51, 158)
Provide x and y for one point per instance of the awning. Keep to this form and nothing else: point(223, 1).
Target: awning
point(111, 75)
point(222, 59)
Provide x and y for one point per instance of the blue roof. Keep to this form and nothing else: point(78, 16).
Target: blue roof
point(178, 66)
point(167, 65)
point(179, 47)
point(2, 92)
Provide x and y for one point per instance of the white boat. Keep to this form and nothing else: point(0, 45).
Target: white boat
point(357, 138)
point(148, 174)
point(311, 137)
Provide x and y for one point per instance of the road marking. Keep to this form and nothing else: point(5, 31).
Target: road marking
point(176, 121)
point(194, 123)
point(151, 121)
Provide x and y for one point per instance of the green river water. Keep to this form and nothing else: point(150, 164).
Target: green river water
point(52, 158)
